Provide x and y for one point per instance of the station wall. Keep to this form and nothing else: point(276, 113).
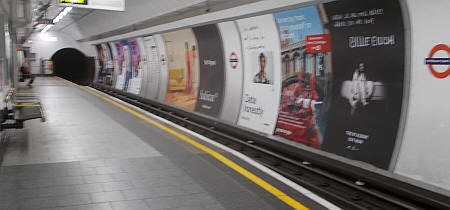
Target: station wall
point(5, 50)
point(335, 76)
point(424, 153)
point(136, 11)
point(45, 45)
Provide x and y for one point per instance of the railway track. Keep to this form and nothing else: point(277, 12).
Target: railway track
point(347, 186)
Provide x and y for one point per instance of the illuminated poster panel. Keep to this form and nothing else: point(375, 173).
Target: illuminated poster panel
point(152, 77)
point(262, 82)
point(164, 66)
point(143, 65)
point(156, 81)
point(305, 76)
point(114, 56)
point(105, 64)
point(183, 61)
point(123, 63)
point(368, 56)
point(134, 77)
point(212, 75)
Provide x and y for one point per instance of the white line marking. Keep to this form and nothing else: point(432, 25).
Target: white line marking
point(241, 156)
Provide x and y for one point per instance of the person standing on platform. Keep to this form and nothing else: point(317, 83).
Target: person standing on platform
point(26, 74)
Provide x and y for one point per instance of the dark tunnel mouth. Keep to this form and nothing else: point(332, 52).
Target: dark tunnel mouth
point(71, 64)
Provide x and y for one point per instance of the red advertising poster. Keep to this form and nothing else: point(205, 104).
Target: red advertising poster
point(305, 72)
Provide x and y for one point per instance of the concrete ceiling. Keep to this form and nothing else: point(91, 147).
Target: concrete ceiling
point(50, 9)
point(28, 12)
point(54, 9)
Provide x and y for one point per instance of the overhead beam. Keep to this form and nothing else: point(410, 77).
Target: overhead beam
point(191, 11)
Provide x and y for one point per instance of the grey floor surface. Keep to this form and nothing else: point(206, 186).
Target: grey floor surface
point(91, 155)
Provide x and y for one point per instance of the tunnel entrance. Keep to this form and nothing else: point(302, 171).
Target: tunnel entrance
point(73, 65)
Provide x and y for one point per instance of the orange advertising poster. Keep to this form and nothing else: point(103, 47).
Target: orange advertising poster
point(183, 63)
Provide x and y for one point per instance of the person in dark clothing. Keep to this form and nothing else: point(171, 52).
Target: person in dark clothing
point(26, 74)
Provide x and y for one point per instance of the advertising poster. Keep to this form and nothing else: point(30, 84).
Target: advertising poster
point(368, 71)
point(134, 75)
point(233, 70)
point(183, 77)
point(127, 64)
point(262, 76)
point(143, 65)
point(2, 73)
point(164, 67)
point(424, 154)
point(105, 66)
point(305, 76)
point(154, 68)
point(121, 64)
point(48, 67)
point(108, 62)
point(100, 64)
point(113, 48)
point(212, 75)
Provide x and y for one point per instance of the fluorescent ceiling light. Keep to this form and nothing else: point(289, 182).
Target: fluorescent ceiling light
point(62, 14)
point(47, 27)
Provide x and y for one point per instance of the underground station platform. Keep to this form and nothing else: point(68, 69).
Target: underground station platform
point(95, 152)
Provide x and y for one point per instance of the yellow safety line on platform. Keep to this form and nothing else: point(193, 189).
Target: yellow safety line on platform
point(25, 105)
point(249, 175)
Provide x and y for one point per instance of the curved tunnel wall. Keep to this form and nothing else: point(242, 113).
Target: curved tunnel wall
point(73, 65)
point(345, 34)
point(286, 82)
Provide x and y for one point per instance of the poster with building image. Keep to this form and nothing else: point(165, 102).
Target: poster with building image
point(262, 82)
point(183, 61)
point(368, 47)
point(305, 76)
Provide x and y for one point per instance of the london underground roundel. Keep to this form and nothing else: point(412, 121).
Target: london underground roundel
point(431, 61)
point(234, 60)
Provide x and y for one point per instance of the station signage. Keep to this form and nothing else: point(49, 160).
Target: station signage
point(45, 21)
point(85, 2)
point(117, 5)
point(432, 61)
point(234, 60)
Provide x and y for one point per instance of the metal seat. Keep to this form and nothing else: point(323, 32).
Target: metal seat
point(20, 107)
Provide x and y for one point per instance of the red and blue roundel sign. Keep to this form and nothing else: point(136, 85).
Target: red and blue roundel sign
point(431, 62)
point(234, 60)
